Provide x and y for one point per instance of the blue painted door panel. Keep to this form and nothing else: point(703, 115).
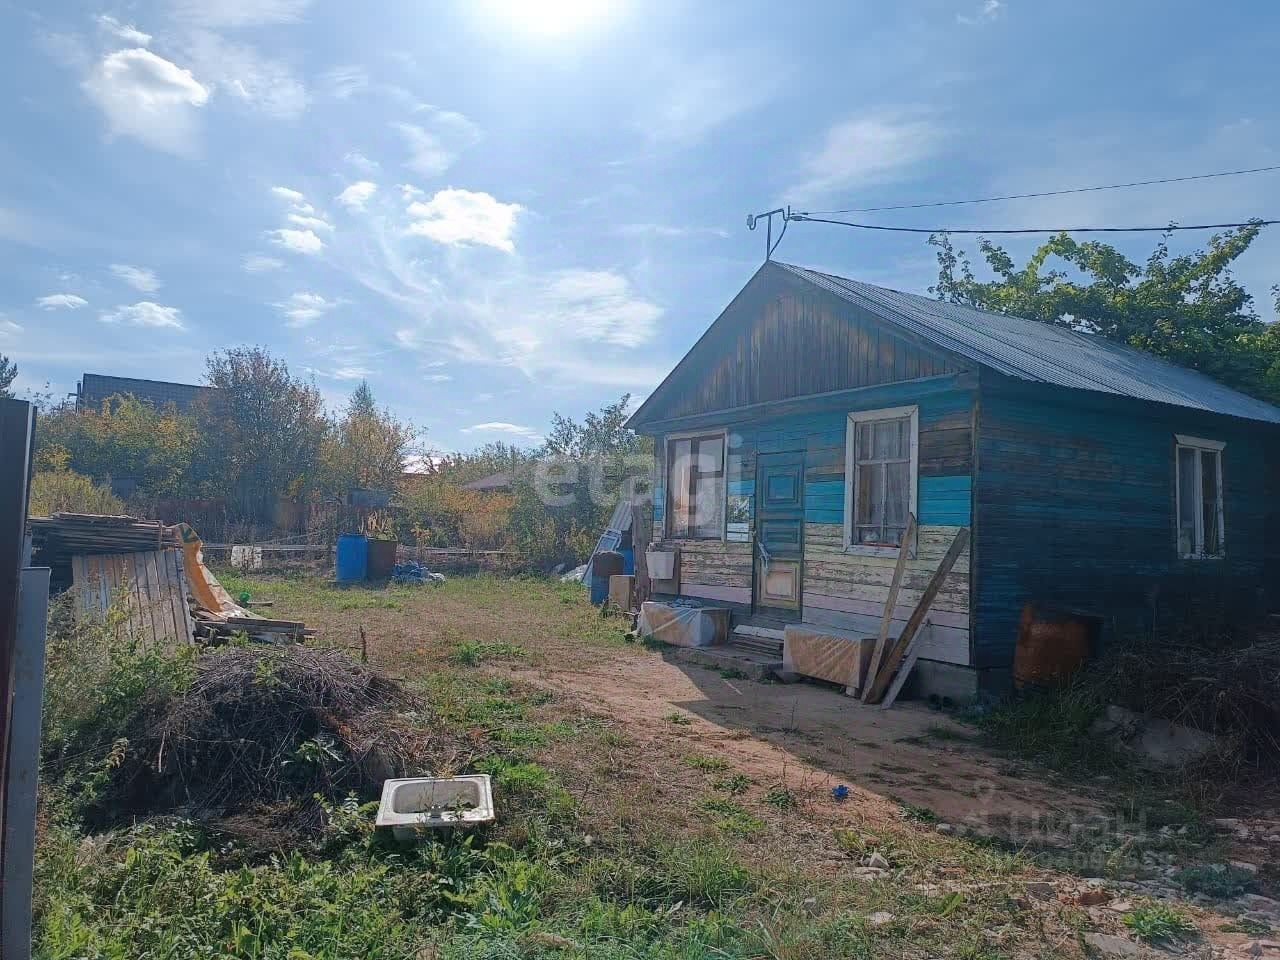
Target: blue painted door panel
point(779, 559)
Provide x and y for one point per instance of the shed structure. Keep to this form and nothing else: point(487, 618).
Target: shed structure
point(816, 413)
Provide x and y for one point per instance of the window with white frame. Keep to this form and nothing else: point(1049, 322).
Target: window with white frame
point(880, 477)
point(695, 487)
point(1199, 497)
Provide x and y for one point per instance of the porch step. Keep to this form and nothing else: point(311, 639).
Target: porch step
point(730, 659)
point(759, 640)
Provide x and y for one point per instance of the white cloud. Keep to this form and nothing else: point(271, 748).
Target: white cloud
point(409, 192)
point(145, 314)
point(361, 162)
point(123, 31)
point(139, 278)
point(862, 151)
point(61, 301)
point(9, 328)
point(670, 231)
point(296, 197)
point(299, 241)
point(599, 305)
point(990, 10)
point(356, 195)
point(511, 429)
point(246, 75)
point(147, 97)
point(462, 216)
point(350, 373)
point(694, 98)
point(239, 13)
point(345, 82)
point(436, 378)
point(435, 142)
point(257, 263)
point(303, 309)
point(310, 223)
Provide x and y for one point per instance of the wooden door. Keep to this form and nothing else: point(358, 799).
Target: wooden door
point(779, 540)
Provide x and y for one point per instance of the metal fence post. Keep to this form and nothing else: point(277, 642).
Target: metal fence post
point(24, 765)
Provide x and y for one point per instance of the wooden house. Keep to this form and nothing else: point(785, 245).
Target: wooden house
point(816, 413)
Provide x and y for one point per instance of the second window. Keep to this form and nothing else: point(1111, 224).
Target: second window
point(880, 471)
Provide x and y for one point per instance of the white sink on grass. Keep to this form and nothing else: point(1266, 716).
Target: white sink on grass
point(423, 803)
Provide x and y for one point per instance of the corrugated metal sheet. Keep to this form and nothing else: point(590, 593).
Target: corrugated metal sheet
point(1042, 352)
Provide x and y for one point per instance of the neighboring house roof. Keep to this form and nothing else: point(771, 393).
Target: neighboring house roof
point(494, 481)
point(97, 387)
point(1044, 352)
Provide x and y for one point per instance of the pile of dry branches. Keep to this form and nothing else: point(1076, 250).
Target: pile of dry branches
point(1232, 691)
point(264, 726)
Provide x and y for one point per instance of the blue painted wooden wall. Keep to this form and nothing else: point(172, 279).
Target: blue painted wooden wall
point(944, 493)
point(1075, 508)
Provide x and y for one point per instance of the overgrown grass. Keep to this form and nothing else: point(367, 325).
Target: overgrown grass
point(1053, 728)
point(554, 877)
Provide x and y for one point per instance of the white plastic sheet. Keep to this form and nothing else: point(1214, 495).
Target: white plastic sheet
point(684, 626)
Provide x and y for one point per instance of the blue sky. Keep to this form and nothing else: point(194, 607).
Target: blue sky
point(492, 209)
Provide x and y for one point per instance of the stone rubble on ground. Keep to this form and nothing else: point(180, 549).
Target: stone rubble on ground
point(1109, 945)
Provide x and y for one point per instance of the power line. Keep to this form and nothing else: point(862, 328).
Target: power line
point(1170, 228)
point(1056, 193)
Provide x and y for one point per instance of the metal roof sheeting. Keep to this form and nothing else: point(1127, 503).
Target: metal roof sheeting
point(1043, 352)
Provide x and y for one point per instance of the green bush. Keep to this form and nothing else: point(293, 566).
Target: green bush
point(64, 491)
point(97, 678)
point(1221, 881)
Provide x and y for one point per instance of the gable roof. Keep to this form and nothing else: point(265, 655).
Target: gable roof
point(1044, 352)
point(1039, 352)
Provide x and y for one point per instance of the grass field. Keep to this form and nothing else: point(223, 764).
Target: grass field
point(617, 837)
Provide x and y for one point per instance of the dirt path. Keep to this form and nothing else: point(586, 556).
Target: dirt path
point(802, 733)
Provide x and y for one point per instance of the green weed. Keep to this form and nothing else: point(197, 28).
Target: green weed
point(1159, 923)
point(780, 797)
point(471, 653)
point(706, 764)
point(738, 783)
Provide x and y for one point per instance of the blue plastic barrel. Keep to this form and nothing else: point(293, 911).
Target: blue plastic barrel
point(599, 589)
point(628, 560)
point(351, 561)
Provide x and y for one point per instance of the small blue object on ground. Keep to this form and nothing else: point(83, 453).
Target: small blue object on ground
point(840, 792)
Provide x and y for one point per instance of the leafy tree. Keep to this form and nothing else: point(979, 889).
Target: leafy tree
point(1188, 309)
point(8, 373)
point(261, 432)
point(368, 446)
point(495, 457)
point(126, 440)
point(563, 504)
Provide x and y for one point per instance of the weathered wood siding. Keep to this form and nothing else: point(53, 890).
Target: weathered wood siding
point(1075, 507)
point(849, 590)
point(785, 339)
point(843, 589)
